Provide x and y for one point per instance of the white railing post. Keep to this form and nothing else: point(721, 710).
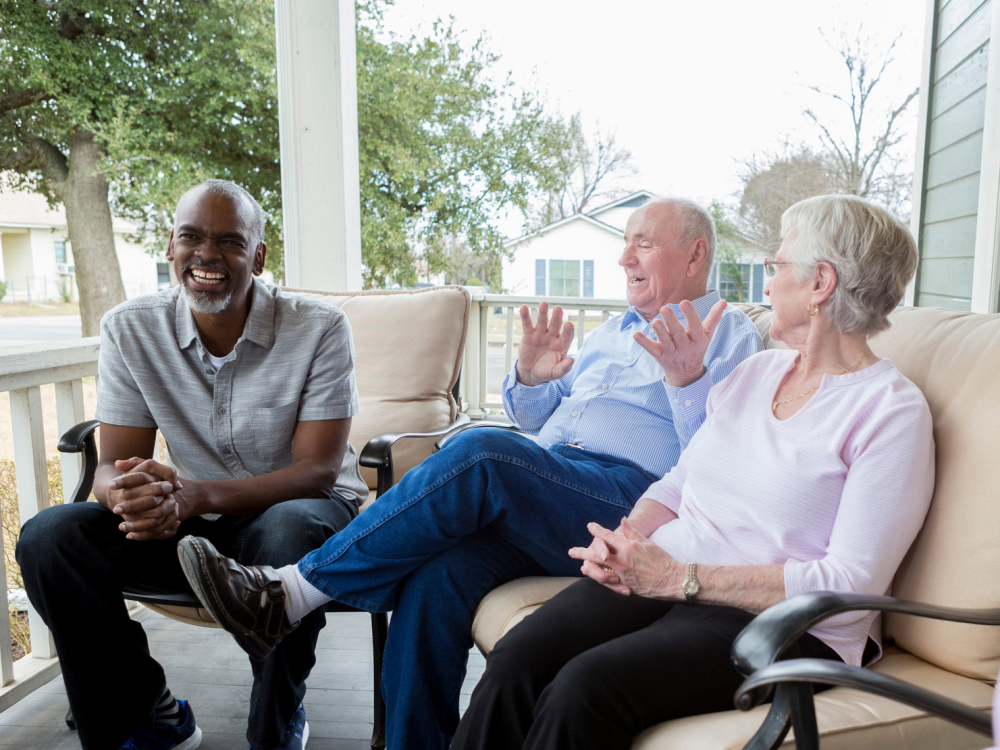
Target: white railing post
point(32, 487)
point(470, 364)
point(6, 647)
point(69, 412)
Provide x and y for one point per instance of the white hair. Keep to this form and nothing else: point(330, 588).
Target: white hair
point(695, 223)
point(873, 253)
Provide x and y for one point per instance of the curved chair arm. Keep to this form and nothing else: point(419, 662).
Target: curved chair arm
point(377, 453)
point(774, 630)
point(443, 441)
point(829, 672)
point(80, 439)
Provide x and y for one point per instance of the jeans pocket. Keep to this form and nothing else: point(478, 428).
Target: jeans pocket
point(273, 430)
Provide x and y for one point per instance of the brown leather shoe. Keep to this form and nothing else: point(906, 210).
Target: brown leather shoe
point(233, 594)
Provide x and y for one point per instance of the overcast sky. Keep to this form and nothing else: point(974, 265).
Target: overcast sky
point(693, 87)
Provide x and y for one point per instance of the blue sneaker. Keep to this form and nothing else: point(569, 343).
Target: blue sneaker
point(184, 736)
point(297, 733)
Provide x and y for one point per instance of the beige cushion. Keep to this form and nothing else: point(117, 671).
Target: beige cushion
point(190, 615)
point(409, 348)
point(847, 719)
point(506, 606)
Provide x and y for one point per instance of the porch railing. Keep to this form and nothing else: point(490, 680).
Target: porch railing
point(495, 333)
point(23, 370)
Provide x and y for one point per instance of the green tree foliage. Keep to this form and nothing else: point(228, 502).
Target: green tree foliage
point(447, 146)
point(129, 102)
point(730, 245)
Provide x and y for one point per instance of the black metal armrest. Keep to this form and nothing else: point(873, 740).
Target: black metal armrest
point(773, 631)
point(443, 441)
point(80, 439)
point(377, 453)
point(829, 672)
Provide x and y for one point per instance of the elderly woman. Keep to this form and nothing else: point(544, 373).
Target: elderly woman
point(813, 471)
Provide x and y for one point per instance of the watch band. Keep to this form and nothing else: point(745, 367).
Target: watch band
point(691, 587)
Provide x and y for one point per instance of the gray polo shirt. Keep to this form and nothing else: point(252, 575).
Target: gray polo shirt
point(294, 362)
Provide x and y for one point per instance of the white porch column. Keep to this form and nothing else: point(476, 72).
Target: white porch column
point(318, 121)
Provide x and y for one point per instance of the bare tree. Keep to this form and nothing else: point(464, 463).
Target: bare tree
point(864, 159)
point(591, 168)
point(773, 181)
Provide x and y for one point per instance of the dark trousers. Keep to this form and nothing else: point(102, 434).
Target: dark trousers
point(75, 561)
point(592, 669)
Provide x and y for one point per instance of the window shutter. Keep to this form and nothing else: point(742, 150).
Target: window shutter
point(588, 278)
point(757, 295)
point(539, 278)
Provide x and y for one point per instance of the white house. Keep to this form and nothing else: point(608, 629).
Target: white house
point(36, 261)
point(578, 257)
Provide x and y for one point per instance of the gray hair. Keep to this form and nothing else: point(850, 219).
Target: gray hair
point(873, 253)
point(236, 194)
point(695, 223)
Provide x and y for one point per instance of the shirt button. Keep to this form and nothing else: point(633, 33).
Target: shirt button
point(630, 359)
point(573, 414)
point(677, 401)
point(209, 371)
point(604, 386)
point(226, 452)
point(221, 410)
point(687, 403)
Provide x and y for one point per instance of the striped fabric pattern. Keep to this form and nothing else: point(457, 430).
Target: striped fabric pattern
point(614, 401)
point(835, 494)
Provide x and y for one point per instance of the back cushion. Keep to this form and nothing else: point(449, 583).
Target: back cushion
point(954, 358)
point(409, 349)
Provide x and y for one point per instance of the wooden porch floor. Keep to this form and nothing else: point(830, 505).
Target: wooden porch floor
point(206, 667)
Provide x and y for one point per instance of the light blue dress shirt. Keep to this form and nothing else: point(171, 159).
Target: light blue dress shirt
point(615, 401)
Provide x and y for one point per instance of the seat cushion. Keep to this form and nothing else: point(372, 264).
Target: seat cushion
point(848, 719)
point(408, 348)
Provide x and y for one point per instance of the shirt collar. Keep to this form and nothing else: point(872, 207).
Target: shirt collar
point(259, 327)
point(702, 305)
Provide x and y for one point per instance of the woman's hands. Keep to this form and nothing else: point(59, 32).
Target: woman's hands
point(679, 351)
point(627, 562)
point(542, 355)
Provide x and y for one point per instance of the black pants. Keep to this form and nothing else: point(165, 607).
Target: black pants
point(592, 669)
point(75, 561)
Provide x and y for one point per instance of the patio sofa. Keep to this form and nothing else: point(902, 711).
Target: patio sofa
point(409, 348)
point(954, 358)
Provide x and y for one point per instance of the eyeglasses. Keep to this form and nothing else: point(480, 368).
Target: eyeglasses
point(771, 266)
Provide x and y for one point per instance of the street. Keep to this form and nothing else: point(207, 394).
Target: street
point(17, 331)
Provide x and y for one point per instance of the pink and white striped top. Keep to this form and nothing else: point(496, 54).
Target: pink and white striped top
point(836, 493)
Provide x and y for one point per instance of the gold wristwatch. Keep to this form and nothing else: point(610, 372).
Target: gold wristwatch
point(691, 587)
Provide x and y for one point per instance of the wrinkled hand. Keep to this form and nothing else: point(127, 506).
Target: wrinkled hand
point(679, 351)
point(627, 562)
point(144, 497)
point(542, 355)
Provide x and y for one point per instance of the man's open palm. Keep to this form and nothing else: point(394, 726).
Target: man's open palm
point(542, 355)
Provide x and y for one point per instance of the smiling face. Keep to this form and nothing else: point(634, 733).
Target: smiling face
point(210, 247)
point(789, 297)
point(658, 270)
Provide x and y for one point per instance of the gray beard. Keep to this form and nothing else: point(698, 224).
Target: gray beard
point(206, 305)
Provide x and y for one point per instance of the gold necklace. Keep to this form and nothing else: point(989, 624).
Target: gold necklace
point(776, 404)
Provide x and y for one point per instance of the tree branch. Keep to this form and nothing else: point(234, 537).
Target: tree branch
point(23, 98)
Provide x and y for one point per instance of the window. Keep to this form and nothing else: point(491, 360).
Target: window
point(539, 278)
point(60, 252)
point(734, 281)
point(588, 278)
point(162, 276)
point(564, 278)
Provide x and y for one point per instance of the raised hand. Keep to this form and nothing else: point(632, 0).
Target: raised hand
point(542, 355)
point(679, 351)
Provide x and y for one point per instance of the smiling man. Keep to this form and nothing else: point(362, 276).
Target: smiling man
point(492, 505)
point(253, 392)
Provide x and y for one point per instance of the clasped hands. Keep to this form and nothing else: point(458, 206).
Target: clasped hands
point(627, 562)
point(544, 351)
point(148, 498)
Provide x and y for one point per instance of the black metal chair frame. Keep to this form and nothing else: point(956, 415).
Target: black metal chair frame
point(773, 634)
point(377, 454)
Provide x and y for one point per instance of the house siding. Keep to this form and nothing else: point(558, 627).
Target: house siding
point(953, 155)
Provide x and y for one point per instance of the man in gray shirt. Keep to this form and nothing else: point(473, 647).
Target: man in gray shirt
point(253, 392)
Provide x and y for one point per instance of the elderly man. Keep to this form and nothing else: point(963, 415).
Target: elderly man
point(254, 393)
point(494, 506)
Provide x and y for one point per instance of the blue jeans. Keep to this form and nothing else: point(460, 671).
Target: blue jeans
point(491, 507)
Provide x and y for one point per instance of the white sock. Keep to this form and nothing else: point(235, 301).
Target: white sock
point(301, 597)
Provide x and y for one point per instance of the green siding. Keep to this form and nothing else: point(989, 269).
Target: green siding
point(954, 153)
